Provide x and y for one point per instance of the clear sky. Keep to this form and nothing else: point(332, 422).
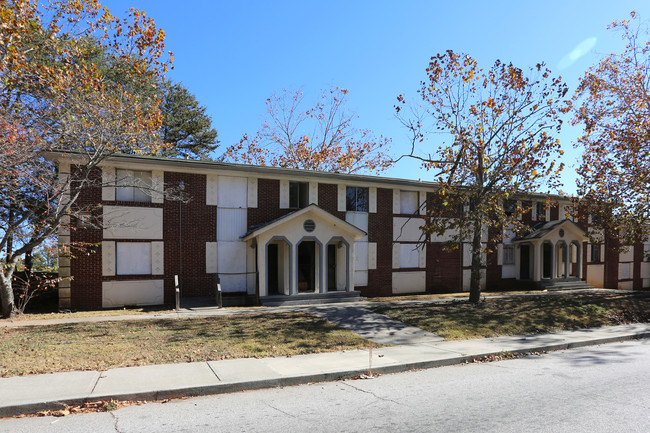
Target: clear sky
point(234, 54)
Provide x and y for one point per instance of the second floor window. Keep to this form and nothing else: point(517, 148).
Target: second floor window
point(298, 195)
point(356, 199)
point(133, 185)
point(541, 211)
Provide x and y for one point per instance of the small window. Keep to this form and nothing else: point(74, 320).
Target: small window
point(508, 255)
point(595, 253)
point(133, 185)
point(133, 258)
point(357, 199)
point(509, 207)
point(408, 202)
point(541, 211)
point(298, 195)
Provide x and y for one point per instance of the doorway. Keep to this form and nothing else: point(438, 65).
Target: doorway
point(307, 267)
point(547, 257)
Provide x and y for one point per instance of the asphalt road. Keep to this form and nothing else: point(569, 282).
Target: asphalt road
point(596, 389)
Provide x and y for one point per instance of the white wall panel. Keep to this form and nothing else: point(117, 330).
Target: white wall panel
point(408, 202)
point(284, 194)
point(108, 183)
point(625, 285)
point(108, 258)
point(361, 256)
point(157, 258)
point(396, 256)
point(396, 201)
point(157, 186)
point(372, 255)
point(252, 192)
point(361, 278)
point(596, 275)
point(133, 258)
point(231, 258)
point(231, 224)
point(210, 257)
point(341, 198)
point(627, 255)
point(423, 203)
point(313, 193)
point(409, 256)
point(372, 200)
point(409, 282)
point(645, 269)
point(359, 220)
point(624, 271)
point(232, 192)
point(467, 274)
point(232, 283)
point(141, 292)
point(407, 229)
point(212, 190)
point(124, 222)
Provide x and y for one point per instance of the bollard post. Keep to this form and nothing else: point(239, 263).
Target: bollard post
point(178, 292)
point(219, 298)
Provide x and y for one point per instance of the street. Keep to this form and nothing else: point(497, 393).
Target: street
point(596, 389)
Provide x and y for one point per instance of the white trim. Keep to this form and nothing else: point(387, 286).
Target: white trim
point(251, 192)
point(341, 198)
point(284, 194)
point(108, 183)
point(372, 255)
point(313, 193)
point(212, 190)
point(397, 206)
point(108, 258)
point(372, 200)
point(157, 186)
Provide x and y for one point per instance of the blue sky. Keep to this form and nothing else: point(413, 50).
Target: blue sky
point(233, 55)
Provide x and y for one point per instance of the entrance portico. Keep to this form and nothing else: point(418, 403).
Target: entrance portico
point(552, 251)
point(309, 251)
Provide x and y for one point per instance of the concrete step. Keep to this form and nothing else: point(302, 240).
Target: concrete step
point(570, 284)
point(311, 298)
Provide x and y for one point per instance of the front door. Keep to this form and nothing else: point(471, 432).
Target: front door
point(306, 266)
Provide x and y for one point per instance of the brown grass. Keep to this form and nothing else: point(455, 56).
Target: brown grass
point(521, 315)
point(103, 345)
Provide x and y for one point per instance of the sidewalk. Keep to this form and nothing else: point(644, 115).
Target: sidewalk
point(29, 394)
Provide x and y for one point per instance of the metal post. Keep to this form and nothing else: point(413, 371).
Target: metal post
point(219, 298)
point(178, 293)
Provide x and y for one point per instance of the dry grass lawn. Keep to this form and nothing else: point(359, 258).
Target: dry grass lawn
point(522, 315)
point(103, 345)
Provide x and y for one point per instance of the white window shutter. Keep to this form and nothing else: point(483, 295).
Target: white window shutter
point(341, 198)
point(157, 186)
point(252, 192)
point(108, 258)
point(396, 201)
point(108, 183)
point(313, 193)
point(211, 189)
point(372, 205)
point(284, 194)
point(157, 258)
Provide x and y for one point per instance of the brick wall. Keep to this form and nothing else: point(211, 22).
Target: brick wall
point(380, 228)
point(187, 243)
point(268, 203)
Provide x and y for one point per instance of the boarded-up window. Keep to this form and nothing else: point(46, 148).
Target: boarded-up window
point(408, 202)
point(133, 258)
point(133, 185)
point(508, 255)
point(409, 256)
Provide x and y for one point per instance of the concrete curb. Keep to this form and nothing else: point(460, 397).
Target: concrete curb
point(230, 387)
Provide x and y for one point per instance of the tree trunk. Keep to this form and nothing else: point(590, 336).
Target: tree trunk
point(475, 278)
point(7, 294)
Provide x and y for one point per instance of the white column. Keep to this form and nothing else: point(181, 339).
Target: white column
point(293, 269)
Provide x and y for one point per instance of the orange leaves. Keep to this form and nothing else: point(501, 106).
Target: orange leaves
point(319, 137)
